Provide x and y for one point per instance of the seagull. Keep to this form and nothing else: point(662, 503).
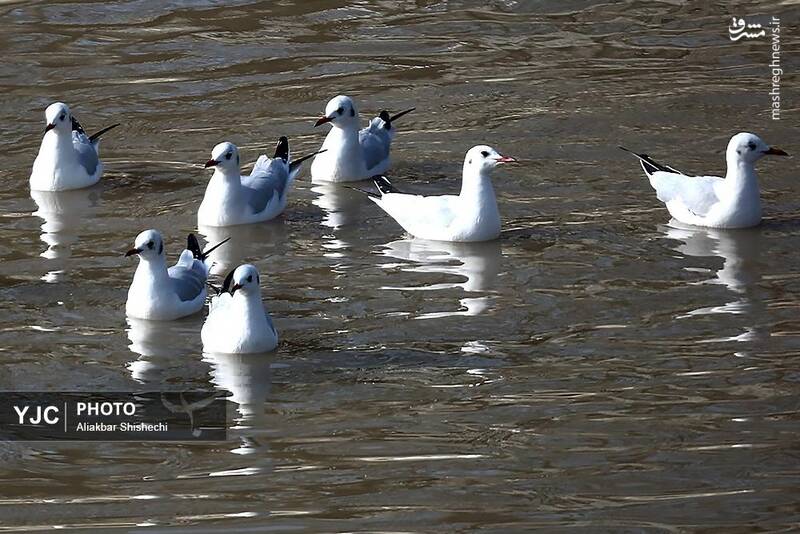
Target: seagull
point(165, 294)
point(233, 199)
point(67, 158)
point(353, 154)
point(711, 201)
point(237, 322)
point(469, 216)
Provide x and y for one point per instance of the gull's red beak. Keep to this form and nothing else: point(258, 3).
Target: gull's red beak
point(49, 127)
point(775, 152)
point(322, 120)
point(211, 163)
point(506, 159)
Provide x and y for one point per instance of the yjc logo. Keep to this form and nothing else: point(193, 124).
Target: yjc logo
point(40, 414)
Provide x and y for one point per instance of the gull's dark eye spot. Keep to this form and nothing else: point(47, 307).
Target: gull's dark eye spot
point(339, 110)
point(228, 155)
point(150, 244)
point(484, 153)
point(250, 278)
point(751, 145)
point(62, 117)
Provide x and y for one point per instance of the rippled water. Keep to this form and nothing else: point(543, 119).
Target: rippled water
point(596, 369)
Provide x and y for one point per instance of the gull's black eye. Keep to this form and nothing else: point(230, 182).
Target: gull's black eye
point(751, 145)
point(62, 117)
point(150, 244)
point(340, 110)
point(484, 153)
point(250, 278)
point(228, 155)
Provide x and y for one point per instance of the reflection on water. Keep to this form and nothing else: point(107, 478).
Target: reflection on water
point(476, 264)
point(248, 242)
point(247, 377)
point(167, 349)
point(740, 251)
point(341, 205)
point(64, 213)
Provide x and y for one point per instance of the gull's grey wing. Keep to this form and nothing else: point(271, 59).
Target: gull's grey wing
point(269, 178)
point(375, 141)
point(87, 152)
point(187, 282)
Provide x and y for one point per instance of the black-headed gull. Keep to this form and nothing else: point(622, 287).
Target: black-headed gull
point(730, 202)
point(232, 199)
point(162, 294)
point(470, 216)
point(67, 158)
point(237, 321)
point(352, 154)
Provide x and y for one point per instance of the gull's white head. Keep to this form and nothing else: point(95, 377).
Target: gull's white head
point(482, 159)
point(148, 246)
point(57, 117)
point(224, 156)
point(245, 280)
point(341, 112)
point(750, 148)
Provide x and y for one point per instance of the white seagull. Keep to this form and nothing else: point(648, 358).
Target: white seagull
point(163, 294)
point(352, 154)
point(237, 322)
point(67, 158)
point(711, 201)
point(469, 216)
point(232, 199)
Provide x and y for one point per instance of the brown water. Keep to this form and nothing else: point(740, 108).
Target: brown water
point(594, 370)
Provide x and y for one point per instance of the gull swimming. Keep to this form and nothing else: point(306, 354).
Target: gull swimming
point(470, 216)
point(67, 158)
point(232, 199)
point(352, 154)
point(162, 294)
point(237, 322)
point(711, 201)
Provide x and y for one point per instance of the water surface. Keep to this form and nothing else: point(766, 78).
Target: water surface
point(595, 369)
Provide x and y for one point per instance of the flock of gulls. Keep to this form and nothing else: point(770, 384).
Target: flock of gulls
point(237, 321)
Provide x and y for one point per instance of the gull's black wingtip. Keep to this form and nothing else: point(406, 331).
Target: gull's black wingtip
point(95, 137)
point(384, 185)
point(193, 246)
point(368, 193)
point(282, 150)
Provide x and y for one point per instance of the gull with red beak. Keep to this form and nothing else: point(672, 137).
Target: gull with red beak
point(353, 154)
point(237, 322)
point(470, 216)
point(712, 201)
point(67, 158)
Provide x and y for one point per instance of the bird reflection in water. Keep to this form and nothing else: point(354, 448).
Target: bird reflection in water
point(740, 251)
point(63, 213)
point(478, 263)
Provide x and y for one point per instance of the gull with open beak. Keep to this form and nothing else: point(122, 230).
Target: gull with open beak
point(353, 154)
point(67, 158)
point(470, 216)
point(237, 322)
point(712, 201)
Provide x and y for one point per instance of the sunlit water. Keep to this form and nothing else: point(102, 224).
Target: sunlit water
point(597, 367)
